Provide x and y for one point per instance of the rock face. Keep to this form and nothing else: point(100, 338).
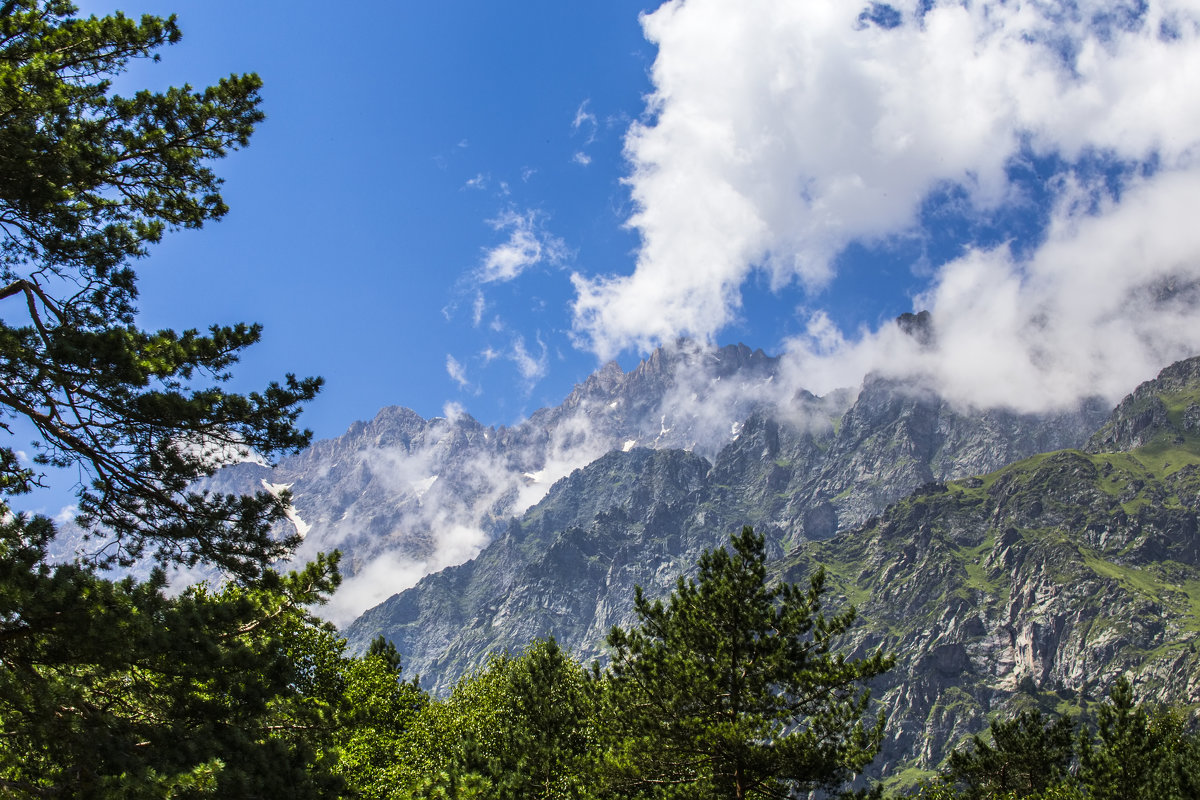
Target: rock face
point(568, 566)
point(1036, 582)
point(402, 496)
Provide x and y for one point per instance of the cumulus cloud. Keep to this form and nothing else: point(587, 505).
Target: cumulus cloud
point(1108, 298)
point(528, 245)
point(778, 133)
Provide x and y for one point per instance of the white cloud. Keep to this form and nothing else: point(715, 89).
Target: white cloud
point(457, 372)
point(532, 368)
point(585, 121)
point(582, 159)
point(1107, 299)
point(528, 245)
point(477, 308)
point(780, 132)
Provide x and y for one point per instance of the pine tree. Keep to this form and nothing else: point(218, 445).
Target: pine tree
point(732, 689)
point(1137, 753)
point(112, 688)
point(1027, 754)
point(88, 181)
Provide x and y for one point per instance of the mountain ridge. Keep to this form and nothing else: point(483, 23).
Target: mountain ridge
point(1032, 584)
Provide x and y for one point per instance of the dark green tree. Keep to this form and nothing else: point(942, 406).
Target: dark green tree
point(732, 689)
point(1027, 754)
point(113, 688)
point(88, 180)
point(1137, 752)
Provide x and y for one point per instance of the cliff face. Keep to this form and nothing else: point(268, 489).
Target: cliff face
point(568, 566)
point(1037, 582)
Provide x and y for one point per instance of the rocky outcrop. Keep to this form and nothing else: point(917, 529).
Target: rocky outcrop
point(1035, 585)
point(1144, 414)
point(402, 496)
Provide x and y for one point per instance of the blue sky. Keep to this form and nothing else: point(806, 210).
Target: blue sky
point(399, 136)
point(476, 203)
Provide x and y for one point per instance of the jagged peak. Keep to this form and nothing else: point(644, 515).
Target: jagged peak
point(919, 326)
point(1169, 404)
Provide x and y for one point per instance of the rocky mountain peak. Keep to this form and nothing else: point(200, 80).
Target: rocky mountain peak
point(1167, 406)
point(919, 326)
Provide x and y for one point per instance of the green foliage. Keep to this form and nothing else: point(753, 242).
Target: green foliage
point(378, 710)
point(524, 727)
point(113, 689)
point(731, 689)
point(1134, 752)
point(88, 179)
point(1027, 754)
point(1139, 753)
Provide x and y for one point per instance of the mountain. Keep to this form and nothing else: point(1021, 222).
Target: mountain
point(803, 472)
point(402, 496)
point(1037, 582)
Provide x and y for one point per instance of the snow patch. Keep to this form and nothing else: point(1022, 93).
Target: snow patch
point(276, 488)
point(420, 487)
point(300, 525)
point(629, 445)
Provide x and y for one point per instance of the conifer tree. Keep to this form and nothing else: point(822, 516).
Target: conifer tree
point(1137, 753)
point(732, 689)
point(1027, 754)
point(88, 181)
point(113, 688)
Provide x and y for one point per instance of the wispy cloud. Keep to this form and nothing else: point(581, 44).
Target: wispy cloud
point(585, 122)
point(457, 372)
point(478, 307)
point(586, 125)
point(531, 367)
point(528, 244)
